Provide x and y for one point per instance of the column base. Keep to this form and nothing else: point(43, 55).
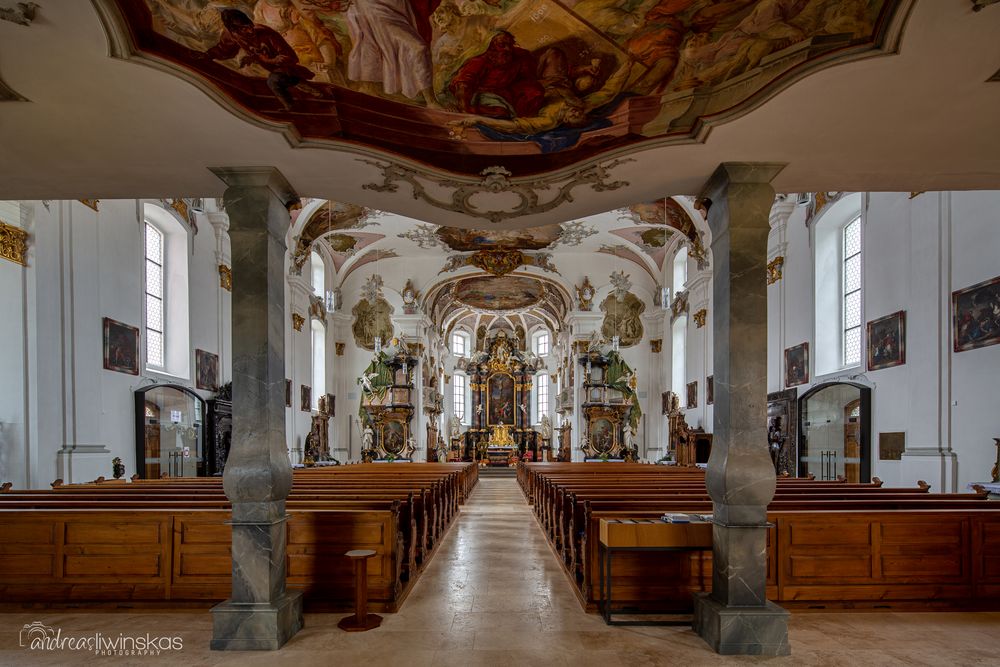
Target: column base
point(741, 630)
point(256, 626)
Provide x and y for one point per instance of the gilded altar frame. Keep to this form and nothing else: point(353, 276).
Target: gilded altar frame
point(614, 416)
point(518, 388)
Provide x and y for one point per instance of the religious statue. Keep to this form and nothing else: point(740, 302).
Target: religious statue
point(367, 438)
point(455, 427)
point(411, 445)
point(775, 444)
point(546, 425)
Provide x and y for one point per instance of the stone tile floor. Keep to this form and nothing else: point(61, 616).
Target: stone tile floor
point(494, 595)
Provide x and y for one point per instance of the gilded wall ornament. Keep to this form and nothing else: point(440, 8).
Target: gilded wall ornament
point(699, 318)
point(496, 181)
point(13, 244)
point(371, 321)
point(622, 319)
point(774, 269)
point(90, 203)
point(297, 321)
point(585, 294)
point(679, 305)
point(410, 296)
point(225, 277)
point(340, 348)
point(656, 345)
point(500, 261)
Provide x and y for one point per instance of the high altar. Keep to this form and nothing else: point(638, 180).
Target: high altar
point(501, 383)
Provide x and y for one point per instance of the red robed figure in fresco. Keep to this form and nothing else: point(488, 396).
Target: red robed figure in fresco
point(504, 70)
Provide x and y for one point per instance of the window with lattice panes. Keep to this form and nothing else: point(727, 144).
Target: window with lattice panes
point(542, 392)
point(459, 383)
point(851, 313)
point(460, 344)
point(155, 329)
point(542, 343)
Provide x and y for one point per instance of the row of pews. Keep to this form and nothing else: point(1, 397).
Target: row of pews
point(166, 541)
point(831, 544)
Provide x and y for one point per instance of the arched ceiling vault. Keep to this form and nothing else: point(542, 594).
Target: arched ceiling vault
point(702, 82)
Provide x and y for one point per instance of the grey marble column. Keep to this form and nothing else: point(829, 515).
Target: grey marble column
point(261, 614)
point(736, 617)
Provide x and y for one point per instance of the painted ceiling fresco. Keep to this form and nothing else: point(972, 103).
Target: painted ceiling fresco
point(534, 85)
point(499, 293)
point(465, 240)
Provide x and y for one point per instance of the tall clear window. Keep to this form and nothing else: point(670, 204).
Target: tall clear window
point(852, 293)
point(678, 357)
point(680, 269)
point(459, 344)
point(542, 344)
point(318, 362)
point(542, 391)
point(154, 297)
point(458, 385)
point(318, 273)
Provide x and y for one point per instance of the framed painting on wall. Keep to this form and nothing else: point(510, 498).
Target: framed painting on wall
point(206, 367)
point(710, 390)
point(692, 394)
point(975, 313)
point(306, 399)
point(887, 341)
point(797, 365)
point(121, 347)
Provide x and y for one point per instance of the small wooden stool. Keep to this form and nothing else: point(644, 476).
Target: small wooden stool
point(362, 620)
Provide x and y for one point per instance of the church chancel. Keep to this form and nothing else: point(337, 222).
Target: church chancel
point(501, 432)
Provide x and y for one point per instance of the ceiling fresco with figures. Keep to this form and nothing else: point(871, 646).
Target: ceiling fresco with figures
point(532, 85)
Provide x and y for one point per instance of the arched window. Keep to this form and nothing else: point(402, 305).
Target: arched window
point(541, 343)
point(680, 269)
point(318, 362)
point(678, 358)
point(318, 274)
point(678, 330)
point(839, 305)
point(459, 388)
point(460, 346)
point(166, 316)
point(155, 352)
point(542, 396)
point(851, 244)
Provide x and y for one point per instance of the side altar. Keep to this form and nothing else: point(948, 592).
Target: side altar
point(387, 408)
point(501, 384)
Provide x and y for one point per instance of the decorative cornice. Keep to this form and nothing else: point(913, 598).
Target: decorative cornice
point(13, 244)
point(774, 269)
point(495, 181)
point(225, 277)
point(699, 318)
point(297, 321)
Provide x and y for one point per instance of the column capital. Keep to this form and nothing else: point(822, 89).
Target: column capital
point(250, 177)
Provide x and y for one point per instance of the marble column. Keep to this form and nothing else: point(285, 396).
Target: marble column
point(261, 614)
point(736, 617)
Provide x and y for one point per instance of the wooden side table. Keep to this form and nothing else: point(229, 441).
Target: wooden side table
point(362, 620)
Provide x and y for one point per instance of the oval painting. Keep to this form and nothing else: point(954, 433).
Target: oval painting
point(499, 292)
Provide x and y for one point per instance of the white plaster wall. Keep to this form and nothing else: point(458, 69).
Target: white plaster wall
point(83, 266)
point(916, 252)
